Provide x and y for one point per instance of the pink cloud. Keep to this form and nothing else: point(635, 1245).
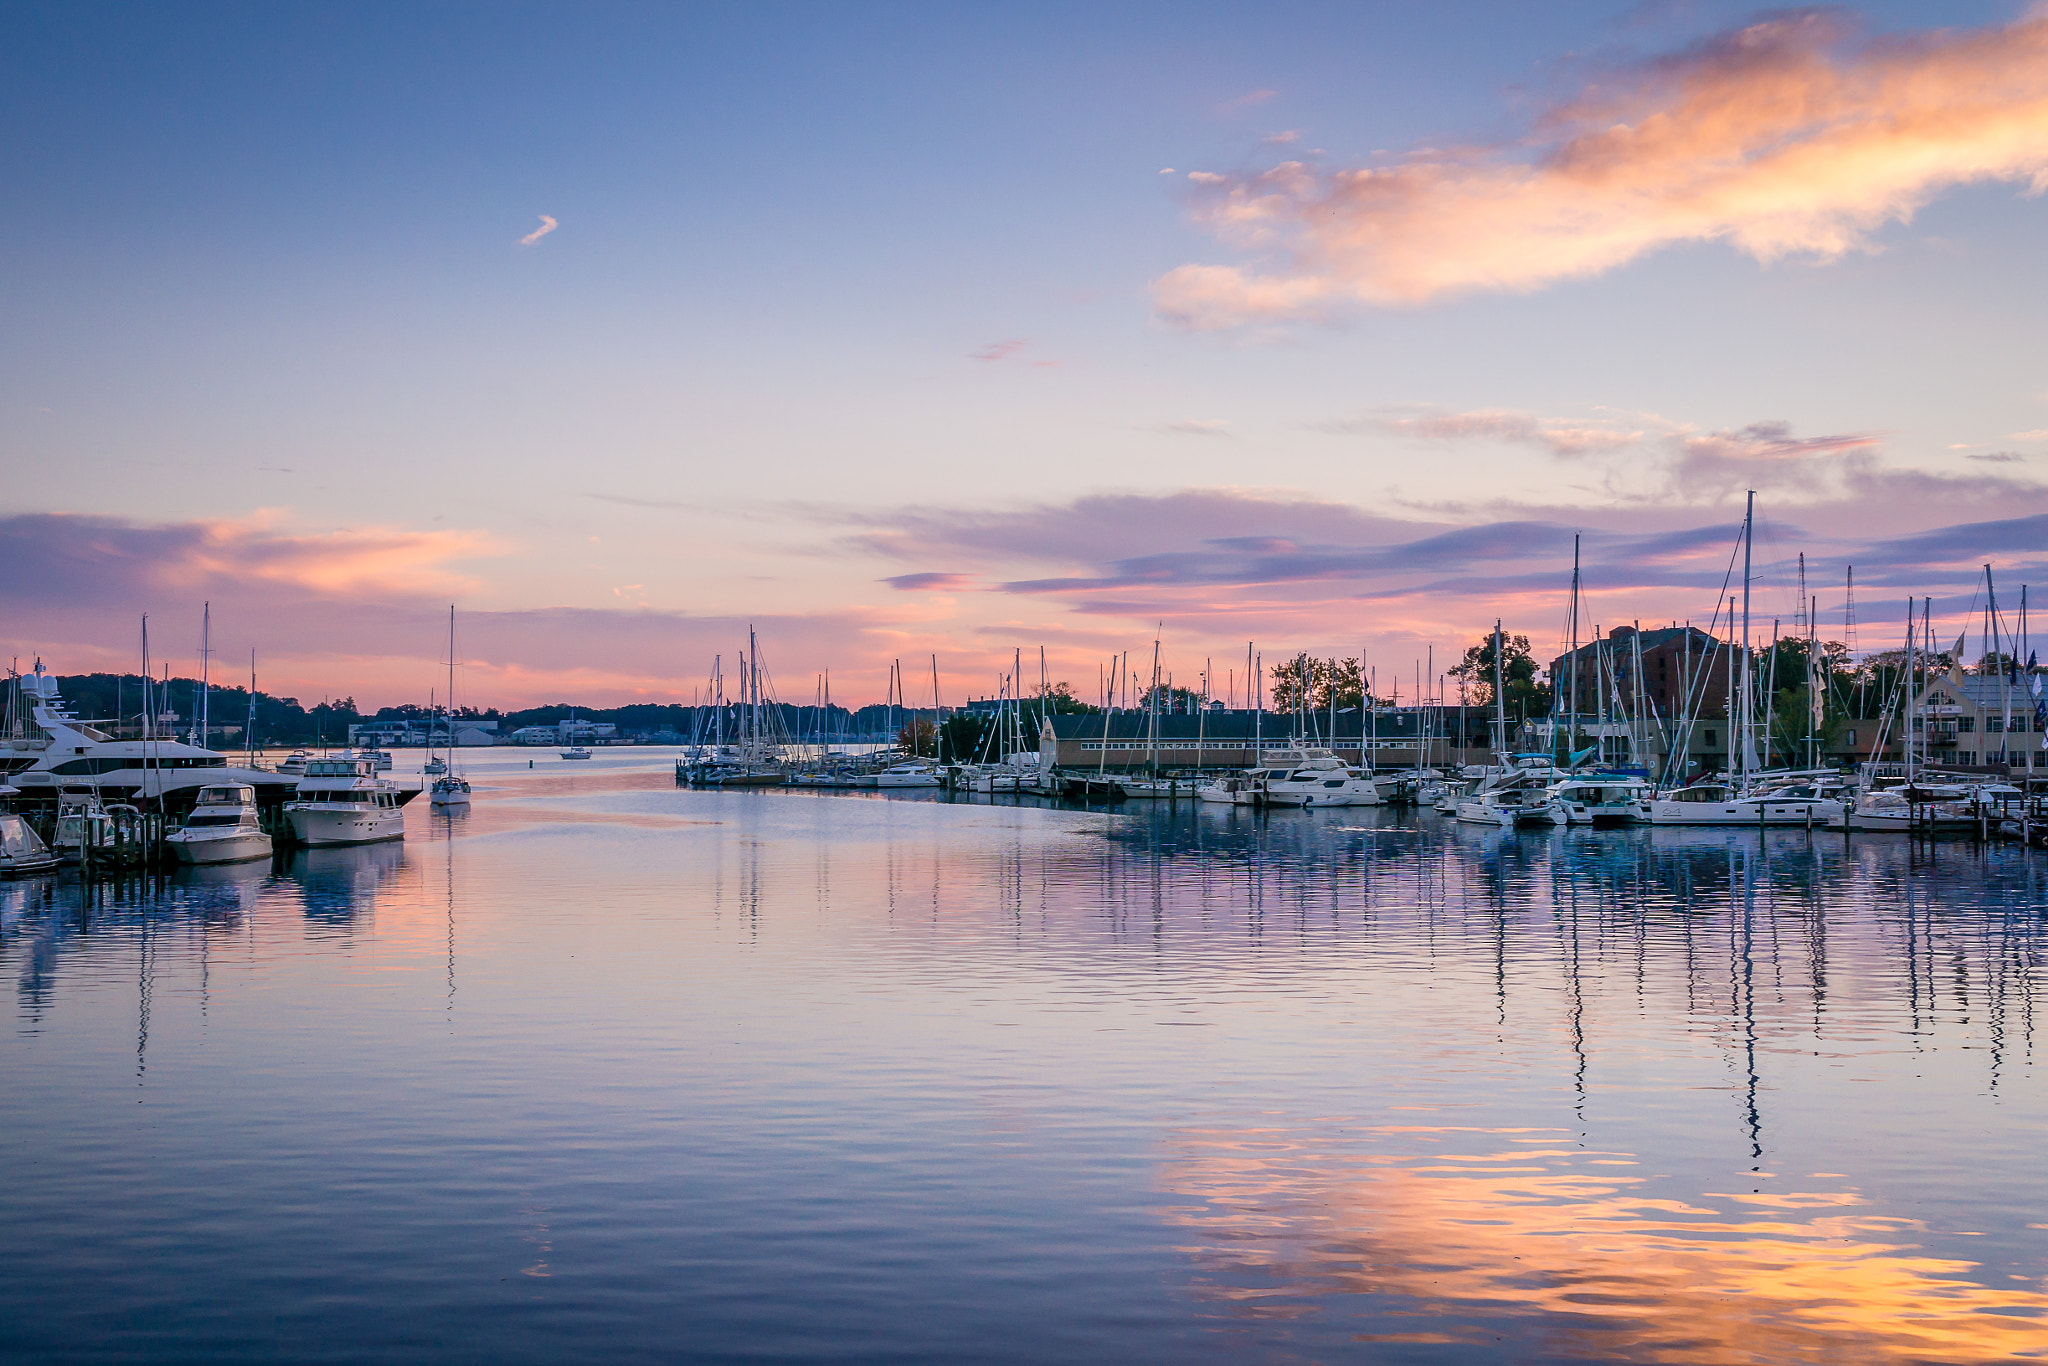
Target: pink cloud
point(1786, 137)
point(995, 351)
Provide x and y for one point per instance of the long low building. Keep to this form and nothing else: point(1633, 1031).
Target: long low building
point(1388, 738)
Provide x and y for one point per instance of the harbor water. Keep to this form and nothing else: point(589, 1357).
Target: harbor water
point(609, 1069)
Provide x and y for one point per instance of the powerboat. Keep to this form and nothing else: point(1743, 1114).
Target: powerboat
point(295, 762)
point(1246, 789)
point(1317, 777)
point(908, 775)
point(1511, 807)
point(22, 851)
point(223, 828)
point(343, 801)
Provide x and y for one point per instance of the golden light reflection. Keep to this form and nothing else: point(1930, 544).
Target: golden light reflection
point(1461, 1241)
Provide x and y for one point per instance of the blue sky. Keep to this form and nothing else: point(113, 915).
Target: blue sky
point(833, 292)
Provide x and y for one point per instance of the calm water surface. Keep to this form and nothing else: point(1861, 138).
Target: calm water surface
point(606, 1068)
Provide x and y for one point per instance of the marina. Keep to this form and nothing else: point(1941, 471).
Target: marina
point(1184, 1080)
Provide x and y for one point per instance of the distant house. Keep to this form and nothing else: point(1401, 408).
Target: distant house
point(1970, 720)
point(420, 732)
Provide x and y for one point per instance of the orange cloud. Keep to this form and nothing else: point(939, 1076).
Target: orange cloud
point(1782, 138)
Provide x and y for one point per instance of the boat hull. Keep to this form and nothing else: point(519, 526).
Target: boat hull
point(344, 825)
point(238, 846)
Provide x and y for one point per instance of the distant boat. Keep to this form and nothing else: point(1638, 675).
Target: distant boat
point(576, 752)
point(451, 789)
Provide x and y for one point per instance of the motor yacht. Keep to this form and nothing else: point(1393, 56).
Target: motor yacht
point(61, 750)
point(908, 775)
point(343, 801)
point(223, 828)
point(295, 762)
point(1316, 777)
point(1510, 807)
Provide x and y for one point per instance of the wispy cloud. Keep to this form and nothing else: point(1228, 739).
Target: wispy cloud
point(1001, 350)
point(930, 583)
point(547, 225)
point(1249, 100)
point(1281, 139)
point(1791, 136)
point(1197, 426)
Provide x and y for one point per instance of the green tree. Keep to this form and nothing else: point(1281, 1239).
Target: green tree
point(1527, 695)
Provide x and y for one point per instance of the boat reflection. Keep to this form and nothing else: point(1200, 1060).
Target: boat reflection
point(1536, 1250)
point(339, 883)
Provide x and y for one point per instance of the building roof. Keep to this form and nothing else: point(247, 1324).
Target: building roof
point(1387, 724)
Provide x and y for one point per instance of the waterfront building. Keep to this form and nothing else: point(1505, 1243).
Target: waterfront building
point(1960, 720)
point(1389, 737)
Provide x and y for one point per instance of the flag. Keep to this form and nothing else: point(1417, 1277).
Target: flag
point(1957, 653)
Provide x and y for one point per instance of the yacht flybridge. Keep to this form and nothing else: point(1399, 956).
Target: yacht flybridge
point(60, 749)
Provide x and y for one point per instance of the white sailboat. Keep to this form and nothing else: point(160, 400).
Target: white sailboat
point(451, 789)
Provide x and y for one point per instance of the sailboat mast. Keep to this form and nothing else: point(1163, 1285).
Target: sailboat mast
point(1748, 543)
point(1572, 715)
point(205, 670)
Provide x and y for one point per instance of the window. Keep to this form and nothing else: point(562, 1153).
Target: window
point(1994, 725)
point(1712, 740)
point(1966, 725)
point(1849, 738)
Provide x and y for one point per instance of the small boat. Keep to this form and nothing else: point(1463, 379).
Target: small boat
point(22, 851)
point(295, 762)
point(449, 790)
point(222, 828)
point(576, 752)
point(433, 766)
point(1245, 790)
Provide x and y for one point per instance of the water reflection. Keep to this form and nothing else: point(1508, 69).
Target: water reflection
point(1302, 1080)
point(1482, 1237)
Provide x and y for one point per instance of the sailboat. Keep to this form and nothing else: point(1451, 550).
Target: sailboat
point(451, 789)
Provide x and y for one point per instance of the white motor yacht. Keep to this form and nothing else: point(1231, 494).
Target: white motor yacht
point(1508, 807)
point(1317, 777)
point(908, 775)
point(295, 762)
point(64, 750)
point(343, 801)
point(223, 828)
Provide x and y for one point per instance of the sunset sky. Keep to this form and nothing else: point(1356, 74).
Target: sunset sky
point(912, 330)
